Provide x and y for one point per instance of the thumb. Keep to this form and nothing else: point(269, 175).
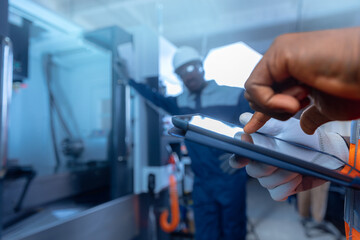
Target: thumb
point(311, 119)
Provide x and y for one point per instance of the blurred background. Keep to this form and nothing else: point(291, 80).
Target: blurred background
point(86, 157)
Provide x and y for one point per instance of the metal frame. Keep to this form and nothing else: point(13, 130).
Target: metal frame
point(6, 58)
point(6, 66)
point(51, 187)
point(121, 172)
point(117, 219)
point(4, 6)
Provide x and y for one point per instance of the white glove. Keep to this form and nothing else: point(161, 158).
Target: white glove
point(282, 183)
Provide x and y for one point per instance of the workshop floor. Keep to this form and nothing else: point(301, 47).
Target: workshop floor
point(269, 219)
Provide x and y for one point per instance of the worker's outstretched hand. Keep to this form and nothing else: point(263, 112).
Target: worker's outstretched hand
point(282, 183)
point(322, 65)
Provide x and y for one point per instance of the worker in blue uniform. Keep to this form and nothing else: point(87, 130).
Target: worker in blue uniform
point(220, 212)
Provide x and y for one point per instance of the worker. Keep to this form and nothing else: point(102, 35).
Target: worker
point(220, 212)
point(324, 66)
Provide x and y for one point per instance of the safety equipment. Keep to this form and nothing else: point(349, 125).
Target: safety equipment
point(184, 55)
point(282, 183)
point(352, 207)
point(190, 68)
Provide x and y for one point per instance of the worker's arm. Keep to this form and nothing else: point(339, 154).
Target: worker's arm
point(323, 65)
point(168, 104)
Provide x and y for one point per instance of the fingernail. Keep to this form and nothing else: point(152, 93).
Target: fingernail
point(245, 118)
point(238, 135)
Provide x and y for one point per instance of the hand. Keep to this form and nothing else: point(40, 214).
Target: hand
point(282, 183)
point(322, 65)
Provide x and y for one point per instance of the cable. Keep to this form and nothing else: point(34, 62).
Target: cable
point(47, 66)
point(54, 108)
point(67, 108)
point(55, 105)
point(61, 118)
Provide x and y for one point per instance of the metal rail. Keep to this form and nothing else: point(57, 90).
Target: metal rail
point(6, 71)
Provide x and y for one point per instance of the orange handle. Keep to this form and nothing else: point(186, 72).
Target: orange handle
point(174, 206)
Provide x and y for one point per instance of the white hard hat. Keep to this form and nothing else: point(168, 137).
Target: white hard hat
point(184, 55)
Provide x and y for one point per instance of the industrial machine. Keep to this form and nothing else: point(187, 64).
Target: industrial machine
point(79, 144)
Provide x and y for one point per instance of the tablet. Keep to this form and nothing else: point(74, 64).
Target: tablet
point(225, 136)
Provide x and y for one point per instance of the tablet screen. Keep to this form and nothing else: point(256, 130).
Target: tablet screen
point(216, 126)
point(293, 149)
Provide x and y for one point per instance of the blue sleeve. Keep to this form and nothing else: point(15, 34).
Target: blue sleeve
point(168, 104)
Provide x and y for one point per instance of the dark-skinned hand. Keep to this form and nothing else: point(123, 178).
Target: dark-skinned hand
point(321, 65)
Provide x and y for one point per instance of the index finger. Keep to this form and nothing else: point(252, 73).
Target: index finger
point(256, 122)
point(270, 86)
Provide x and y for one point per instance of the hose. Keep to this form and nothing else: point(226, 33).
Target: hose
point(174, 206)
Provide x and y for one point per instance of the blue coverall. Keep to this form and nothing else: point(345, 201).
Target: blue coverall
point(219, 198)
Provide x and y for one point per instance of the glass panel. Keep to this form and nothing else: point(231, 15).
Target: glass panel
point(79, 77)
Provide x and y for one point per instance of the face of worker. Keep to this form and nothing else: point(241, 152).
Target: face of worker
point(192, 75)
